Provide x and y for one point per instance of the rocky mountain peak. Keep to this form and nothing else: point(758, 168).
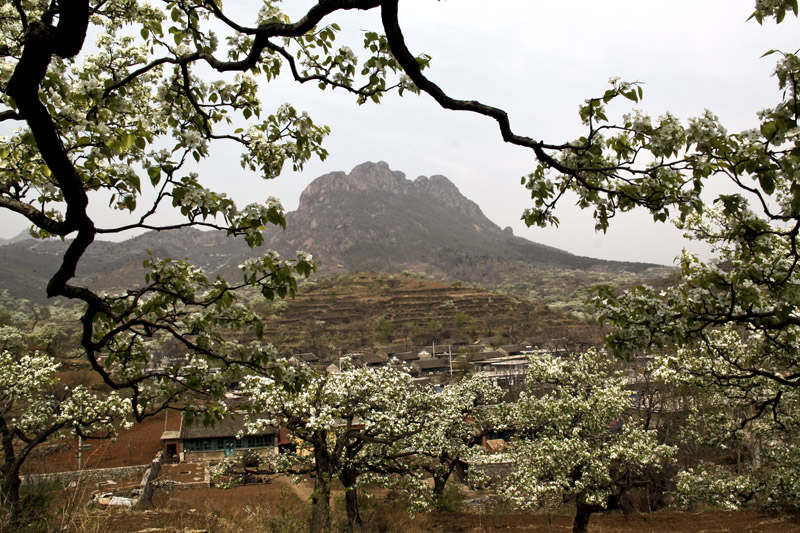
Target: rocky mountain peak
point(446, 192)
point(364, 177)
point(372, 218)
point(378, 177)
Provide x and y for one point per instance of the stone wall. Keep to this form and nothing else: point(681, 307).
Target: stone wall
point(494, 471)
point(95, 474)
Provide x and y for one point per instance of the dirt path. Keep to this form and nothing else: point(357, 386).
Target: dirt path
point(302, 491)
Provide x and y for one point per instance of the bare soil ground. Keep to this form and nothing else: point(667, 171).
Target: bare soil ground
point(135, 446)
point(272, 507)
point(661, 522)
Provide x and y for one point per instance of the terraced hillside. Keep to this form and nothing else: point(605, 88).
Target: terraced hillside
point(364, 310)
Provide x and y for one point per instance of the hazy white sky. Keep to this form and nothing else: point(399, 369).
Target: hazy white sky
point(538, 60)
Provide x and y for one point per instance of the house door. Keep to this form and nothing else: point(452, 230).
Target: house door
point(172, 453)
point(230, 447)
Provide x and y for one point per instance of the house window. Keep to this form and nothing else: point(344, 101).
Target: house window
point(259, 441)
point(199, 445)
point(219, 443)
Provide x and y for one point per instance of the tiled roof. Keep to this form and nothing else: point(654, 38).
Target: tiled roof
point(227, 427)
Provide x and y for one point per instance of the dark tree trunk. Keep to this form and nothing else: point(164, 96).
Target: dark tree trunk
point(12, 462)
point(321, 503)
point(9, 472)
point(320, 521)
point(582, 514)
point(441, 475)
point(351, 505)
point(349, 478)
point(439, 483)
point(9, 491)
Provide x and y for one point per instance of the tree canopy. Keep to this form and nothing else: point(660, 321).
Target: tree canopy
point(144, 102)
point(728, 326)
point(35, 406)
point(576, 435)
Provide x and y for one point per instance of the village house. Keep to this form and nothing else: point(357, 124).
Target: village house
point(424, 367)
point(196, 442)
point(389, 350)
point(513, 349)
point(307, 358)
point(371, 360)
point(504, 371)
point(406, 357)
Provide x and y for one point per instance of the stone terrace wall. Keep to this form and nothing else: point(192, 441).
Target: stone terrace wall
point(94, 474)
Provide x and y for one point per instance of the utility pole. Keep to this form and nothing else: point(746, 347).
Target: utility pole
point(450, 356)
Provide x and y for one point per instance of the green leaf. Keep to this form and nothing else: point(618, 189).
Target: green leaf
point(768, 129)
point(767, 183)
point(155, 175)
point(796, 199)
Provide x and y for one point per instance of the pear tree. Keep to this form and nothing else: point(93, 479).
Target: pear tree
point(343, 425)
point(35, 406)
point(728, 326)
point(577, 435)
point(460, 415)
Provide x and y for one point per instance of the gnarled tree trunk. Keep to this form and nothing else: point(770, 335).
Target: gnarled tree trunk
point(145, 500)
point(351, 501)
point(583, 512)
point(321, 497)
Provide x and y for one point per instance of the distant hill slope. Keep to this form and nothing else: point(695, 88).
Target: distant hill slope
point(21, 236)
point(362, 310)
point(372, 219)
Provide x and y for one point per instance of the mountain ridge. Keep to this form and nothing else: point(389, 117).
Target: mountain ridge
point(370, 219)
